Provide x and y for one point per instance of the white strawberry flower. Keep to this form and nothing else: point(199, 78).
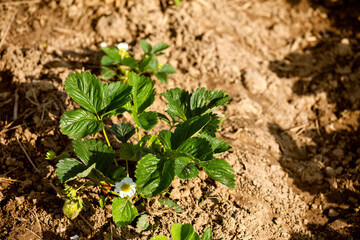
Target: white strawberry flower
point(124, 47)
point(103, 45)
point(125, 188)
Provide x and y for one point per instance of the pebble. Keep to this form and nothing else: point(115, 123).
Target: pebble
point(357, 162)
point(330, 171)
point(338, 152)
point(333, 213)
point(339, 170)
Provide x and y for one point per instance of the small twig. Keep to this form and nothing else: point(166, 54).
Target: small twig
point(16, 105)
point(8, 28)
point(27, 155)
point(20, 2)
point(86, 221)
point(8, 179)
point(33, 233)
point(37, 220)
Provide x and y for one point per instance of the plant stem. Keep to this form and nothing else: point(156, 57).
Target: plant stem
point(127, 168)
point(138, 132)
point(107, 140)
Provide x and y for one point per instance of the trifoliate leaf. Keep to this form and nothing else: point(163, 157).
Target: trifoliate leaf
point(183, 231)
point(199, 148)
point(142, 93)
point(67, 169)
point(72, 207)
point(169, 204)
point(86, 89)
point(79, 123)
point(160, 47)
point(177, 102)
point(213, 126)
point(142, 223)
point(162, 77)
point(145, 46)
point(123, 212)
point(154, 174)
point(167, 68)
point(146, 120)
point(107, 72)
point(165, 138)
point(219, 170)
point(123, 131)
point(91, 151)
point(185, 169)
point(218, 145)
point(188, 129)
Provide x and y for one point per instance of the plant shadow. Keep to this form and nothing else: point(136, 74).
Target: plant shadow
point(321, 157)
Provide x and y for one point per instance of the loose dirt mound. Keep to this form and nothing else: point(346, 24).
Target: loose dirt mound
point(292, 70)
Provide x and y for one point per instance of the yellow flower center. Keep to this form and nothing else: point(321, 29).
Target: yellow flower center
point(125, 187)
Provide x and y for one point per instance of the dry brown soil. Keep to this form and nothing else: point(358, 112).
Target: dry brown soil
point(291, 67)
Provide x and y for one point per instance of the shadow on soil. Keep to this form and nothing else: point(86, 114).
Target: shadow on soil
point(325, 165)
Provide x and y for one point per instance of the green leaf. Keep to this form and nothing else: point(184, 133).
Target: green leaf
point(154, 174)
point(220, 170)
point(165, 138)
point(50, 155)
point(162, 77)
point(145, 46)
point(132, 152)
point(142, 93)
point(164, 118)
point(185, 169)
point(188, 129)
point(107, 72)
point(123, 212)
point(116, 173)
point(86, 89)
point(72, 207)
point(167, 68)
point(106, 61)
point(142, 223)
point(199, 148)
point(123, 131)
point(177, 102)
point(160, 47)
point(114, 97)
point(147, 120)
point(183, 232)
point(206, 235)
point(161, 237)
point(112, 52)
point(170, 204)
point(213, 126)
point(130, 62)
point(79, 123)
point(91, 151)
point(203, 101)
point(102, 201)
point(67, 169)
point(218, 145)
point(155, 144)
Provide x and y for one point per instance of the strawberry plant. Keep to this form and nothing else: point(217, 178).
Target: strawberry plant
point(153, 160)
point(117, 62)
